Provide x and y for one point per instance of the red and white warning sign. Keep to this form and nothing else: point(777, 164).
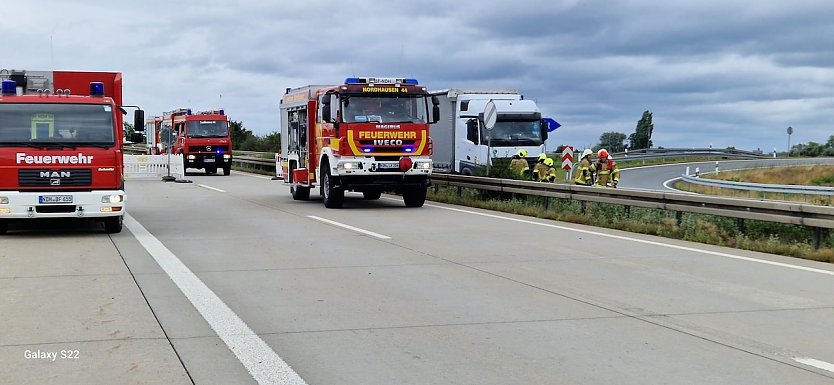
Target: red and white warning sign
point(567, 158)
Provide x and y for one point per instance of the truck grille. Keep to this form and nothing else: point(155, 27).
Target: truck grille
point(55, 178)
point(222, 149)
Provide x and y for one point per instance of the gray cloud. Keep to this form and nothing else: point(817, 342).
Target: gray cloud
point(727, 73)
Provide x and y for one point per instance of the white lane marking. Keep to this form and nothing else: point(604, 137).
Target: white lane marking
point(260, 360)
point(252, 175)
point(815, 363)
point(211, 188)
point(349, 227)
point(620, 237)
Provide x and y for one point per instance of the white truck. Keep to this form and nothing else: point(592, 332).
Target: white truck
point(462, 143)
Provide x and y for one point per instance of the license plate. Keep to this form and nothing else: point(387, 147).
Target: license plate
point(208, 160)
point(55, 199)
point(388, 166)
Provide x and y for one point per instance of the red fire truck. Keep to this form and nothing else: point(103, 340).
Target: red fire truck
point(61, 138)
point(202, 138)
point(368, 135)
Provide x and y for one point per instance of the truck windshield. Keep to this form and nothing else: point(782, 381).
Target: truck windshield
point(384, 109)
point(35, 124)
point(207, 129)
point(514, 133)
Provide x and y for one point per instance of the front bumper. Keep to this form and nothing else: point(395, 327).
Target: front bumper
point(207, 160)
point(369, 167)
point(85, 204)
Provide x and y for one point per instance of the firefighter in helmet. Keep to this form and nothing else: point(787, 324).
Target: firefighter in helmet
point(608, 174)
point(585, 169)
point(519, 165)
point(550, 173)
point(540, 168)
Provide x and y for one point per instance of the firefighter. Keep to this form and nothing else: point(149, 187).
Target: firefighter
point(519, 165)
point(550, 173)
point(608, 174)
point(585, 169)
point(540, 168)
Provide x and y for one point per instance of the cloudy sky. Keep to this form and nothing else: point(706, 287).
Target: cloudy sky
point(726, 73)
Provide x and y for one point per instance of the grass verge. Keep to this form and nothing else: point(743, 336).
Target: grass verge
point(774, 238)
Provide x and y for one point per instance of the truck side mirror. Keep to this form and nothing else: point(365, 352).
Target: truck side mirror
point(139, 121)
point(435, 109)
point(543, 128)
point(325, 109)
point(472, 130)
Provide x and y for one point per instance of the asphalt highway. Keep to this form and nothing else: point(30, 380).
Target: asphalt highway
point(227, 280)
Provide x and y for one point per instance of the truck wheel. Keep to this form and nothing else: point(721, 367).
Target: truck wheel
point(227, 170)
point(415, 196)
point(4, 227)
point(372, 194)
point(300, 193)
point(211, 170)
point(113, 225)
point(332, 196)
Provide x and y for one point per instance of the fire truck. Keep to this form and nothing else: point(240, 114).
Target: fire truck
point(368, 135)
point(202, 138)
point(61, 138)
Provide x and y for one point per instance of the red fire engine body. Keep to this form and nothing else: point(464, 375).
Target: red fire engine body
point(61, 138)
point(202, 138)
point(368, 135)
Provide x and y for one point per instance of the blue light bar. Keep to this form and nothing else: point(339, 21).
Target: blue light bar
point(189, 111)
point(9, 87)
point(96, 89)
point(222, 112)
point(353, 81)
point(366, 149)
point(410, 81)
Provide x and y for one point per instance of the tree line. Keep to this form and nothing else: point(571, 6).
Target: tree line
point(243, 139)
point(814, 149)
point(641, 138)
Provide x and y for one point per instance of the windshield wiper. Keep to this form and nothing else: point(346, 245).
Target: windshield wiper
point(32, 144)
point(92, 144)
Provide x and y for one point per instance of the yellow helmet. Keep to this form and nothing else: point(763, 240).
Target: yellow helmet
point(542, 157)
point(522, 153)
point(548, 162)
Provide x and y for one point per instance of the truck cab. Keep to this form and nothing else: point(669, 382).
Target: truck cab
point(203, 139)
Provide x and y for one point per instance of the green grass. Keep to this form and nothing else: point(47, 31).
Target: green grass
point(783, 239)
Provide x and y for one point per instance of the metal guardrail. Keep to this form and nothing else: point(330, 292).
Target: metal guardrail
point(654, 153)
point(760, 187)
point(769, 211)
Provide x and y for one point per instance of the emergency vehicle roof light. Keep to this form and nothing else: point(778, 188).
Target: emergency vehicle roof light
point(96, 89)
point(189, 111)
point(222, 112)
point(9, 87)
point(353, 81)
point(410, 81)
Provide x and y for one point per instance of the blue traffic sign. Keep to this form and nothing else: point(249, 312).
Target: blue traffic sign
point(551, 124)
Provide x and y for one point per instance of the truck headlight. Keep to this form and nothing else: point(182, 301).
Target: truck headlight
point(192, 157)
point(4, 200)
point(425, 165)
point(116, 198)
point(227, 156)
point(349, 165)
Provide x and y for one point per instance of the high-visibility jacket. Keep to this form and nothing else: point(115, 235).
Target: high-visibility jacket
point(519, 166)
point(608, 174)
point(584, 173)
point(540, 172)
point(550, 174)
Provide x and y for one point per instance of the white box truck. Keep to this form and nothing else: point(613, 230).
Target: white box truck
point(462, 143)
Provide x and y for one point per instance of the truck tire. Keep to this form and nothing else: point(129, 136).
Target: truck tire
point(300, 193)
point(113, 225)
point(211, 170)
point(4, 227)
point(332, 196)
point(415, 196)
point(227, 170)
point(371, 195)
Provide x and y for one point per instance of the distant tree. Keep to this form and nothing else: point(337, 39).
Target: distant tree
point(642, 136)
point(612, 141)
point(239, 135)
point(128, 128)
point(812, 149)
